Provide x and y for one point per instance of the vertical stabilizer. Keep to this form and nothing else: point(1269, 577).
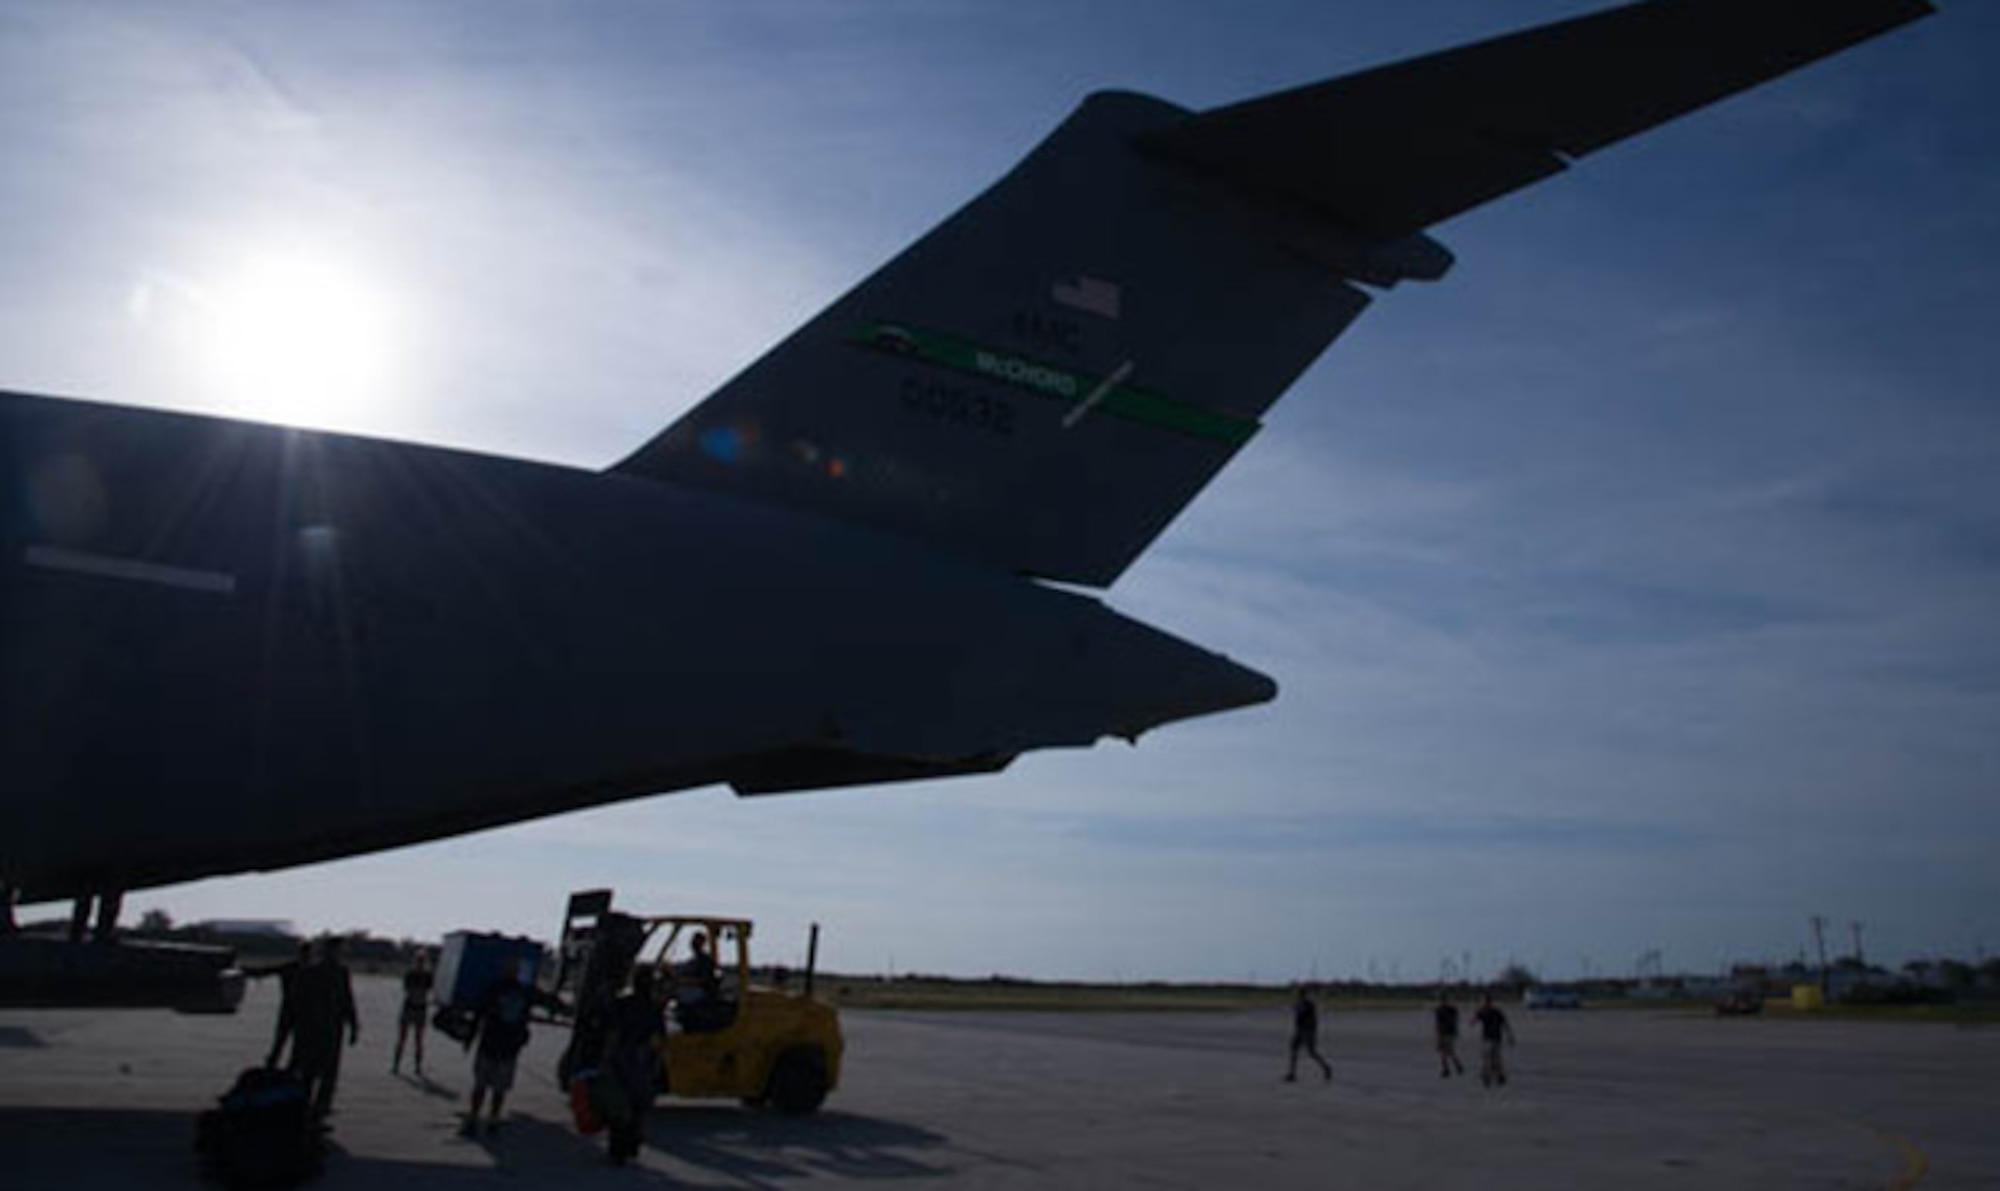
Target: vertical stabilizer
point(1044, 380)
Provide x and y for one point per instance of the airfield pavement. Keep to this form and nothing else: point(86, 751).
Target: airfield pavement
point(1600, 1099)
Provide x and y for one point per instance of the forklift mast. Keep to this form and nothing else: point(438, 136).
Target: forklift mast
point(596, 953)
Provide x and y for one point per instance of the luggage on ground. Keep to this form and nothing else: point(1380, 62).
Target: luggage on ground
point(262, 1136)
point(582, 1103)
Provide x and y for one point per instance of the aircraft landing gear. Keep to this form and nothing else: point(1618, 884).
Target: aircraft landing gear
point(108, 906)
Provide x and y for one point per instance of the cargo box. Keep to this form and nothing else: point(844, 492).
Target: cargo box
point(471, 963)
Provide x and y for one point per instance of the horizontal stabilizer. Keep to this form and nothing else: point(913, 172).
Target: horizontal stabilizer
point(1390, 151)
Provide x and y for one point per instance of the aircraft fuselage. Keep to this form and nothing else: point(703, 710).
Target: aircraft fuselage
point(227, 646)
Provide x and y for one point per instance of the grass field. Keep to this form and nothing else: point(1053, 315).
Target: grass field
point(867, 992)
point(1001, 994)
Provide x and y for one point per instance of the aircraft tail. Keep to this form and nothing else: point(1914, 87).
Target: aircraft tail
point(1048, 377)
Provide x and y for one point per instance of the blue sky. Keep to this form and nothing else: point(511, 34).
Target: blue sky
point(1634, 587)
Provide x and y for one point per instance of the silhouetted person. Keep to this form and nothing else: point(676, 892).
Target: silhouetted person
point(322, 1008)
point(698, 989)
point(631, 1063)
point(1494, 1035)
point(1446, 1015)
point(288, 976)
point(699, 968)
point(1305, 1034)
point(502, 1032)
point(410, 1023)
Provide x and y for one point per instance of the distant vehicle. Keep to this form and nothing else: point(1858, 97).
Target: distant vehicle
point(1740, 1004)
point(870, 557)
point(757, 1043)
point(41, 971)
point(1544, 996)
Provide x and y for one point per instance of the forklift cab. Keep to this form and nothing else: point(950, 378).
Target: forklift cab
point(702, 966)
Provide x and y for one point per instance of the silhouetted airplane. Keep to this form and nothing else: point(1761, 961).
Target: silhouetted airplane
point(227, 646)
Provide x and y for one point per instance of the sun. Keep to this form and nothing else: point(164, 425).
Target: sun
point(298, 336)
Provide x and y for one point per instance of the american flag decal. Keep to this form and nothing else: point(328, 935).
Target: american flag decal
point(1088, 294)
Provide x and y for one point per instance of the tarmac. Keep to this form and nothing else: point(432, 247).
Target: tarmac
point(1630, 1099)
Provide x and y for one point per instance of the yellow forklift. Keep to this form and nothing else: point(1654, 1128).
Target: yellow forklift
point(727, 1035)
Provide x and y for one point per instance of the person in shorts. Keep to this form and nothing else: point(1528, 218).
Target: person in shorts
point(1445, 1016)
point(416, 1001)
point(501, 1033)
point(1494, 1035)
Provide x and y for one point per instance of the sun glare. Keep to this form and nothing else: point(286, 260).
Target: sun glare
point(298, 337)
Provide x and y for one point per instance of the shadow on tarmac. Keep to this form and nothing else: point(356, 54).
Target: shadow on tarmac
point(752, 1147)
point(428, 1086)
point(86, 1149)
point(20, 1038)
point(523, 1147)
point(82, 1149)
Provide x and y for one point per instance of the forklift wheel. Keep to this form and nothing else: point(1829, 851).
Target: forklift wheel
point(798, 1082)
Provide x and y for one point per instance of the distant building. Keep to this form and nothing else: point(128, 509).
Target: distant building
point(1847, 978)
point(256, 928)
point(1927, 973)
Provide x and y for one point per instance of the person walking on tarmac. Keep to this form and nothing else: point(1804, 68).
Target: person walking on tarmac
point(1305, 1034)
point(1494, 1034)
point(501, 1034)
point(319, 1007)
point(1446, 1018)
point(631, 1064)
